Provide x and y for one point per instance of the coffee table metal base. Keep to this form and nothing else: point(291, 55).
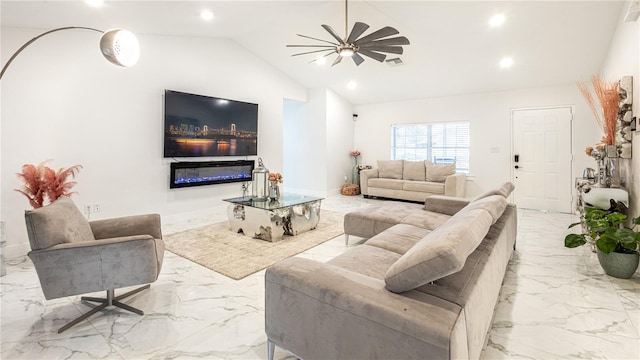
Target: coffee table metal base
point(271, 225)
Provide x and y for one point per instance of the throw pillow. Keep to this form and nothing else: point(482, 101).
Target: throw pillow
point(390, 169)
point(440, 253)
point(439, 173)
point(414, 170)
point(57, 223)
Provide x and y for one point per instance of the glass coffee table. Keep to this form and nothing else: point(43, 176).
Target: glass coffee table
point(271, 219)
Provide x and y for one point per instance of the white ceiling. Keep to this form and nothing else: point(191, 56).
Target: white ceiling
point(452, 51)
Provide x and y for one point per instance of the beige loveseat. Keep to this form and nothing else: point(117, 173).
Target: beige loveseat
point(422, 288)
point(411, 180)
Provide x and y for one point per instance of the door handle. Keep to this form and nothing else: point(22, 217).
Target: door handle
point(517, 167)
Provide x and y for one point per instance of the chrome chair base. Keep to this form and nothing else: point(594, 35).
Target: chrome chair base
point(104, 302)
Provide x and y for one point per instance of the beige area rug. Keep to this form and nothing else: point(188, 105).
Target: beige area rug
point(234, 255)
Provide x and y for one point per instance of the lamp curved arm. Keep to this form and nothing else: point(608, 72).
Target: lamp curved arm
point(4, 68)
point(117, 45)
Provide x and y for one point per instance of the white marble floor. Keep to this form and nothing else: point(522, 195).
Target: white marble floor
point(555, 303)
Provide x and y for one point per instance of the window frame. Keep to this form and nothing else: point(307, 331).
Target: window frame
point(426, 151)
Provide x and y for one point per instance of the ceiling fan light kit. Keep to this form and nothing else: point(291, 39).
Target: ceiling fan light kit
point(372, 45)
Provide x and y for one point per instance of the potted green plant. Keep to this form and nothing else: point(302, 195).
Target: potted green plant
point(617, 245)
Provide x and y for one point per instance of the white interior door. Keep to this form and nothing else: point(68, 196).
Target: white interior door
point(542, 146)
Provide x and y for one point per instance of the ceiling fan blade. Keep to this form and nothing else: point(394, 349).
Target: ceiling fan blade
point(358, 29)
point(357, 59)
point(337, 60)
point(400, 40)
point(325, 55)
point(310, 52)
point(373, 55)
point(322, 46)
point(312, 38)
point(387, 49)
point(333, 33)
point(384, 32)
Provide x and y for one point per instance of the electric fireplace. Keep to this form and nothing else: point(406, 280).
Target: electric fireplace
point(197, 173)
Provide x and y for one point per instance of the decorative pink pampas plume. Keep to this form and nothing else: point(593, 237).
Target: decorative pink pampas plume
point(41, 181)
point(607, 94)
point(57, 184)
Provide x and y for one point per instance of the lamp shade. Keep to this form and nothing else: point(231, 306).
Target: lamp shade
point(120, 47)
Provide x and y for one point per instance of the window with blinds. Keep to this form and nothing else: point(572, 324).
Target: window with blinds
point(441, 143)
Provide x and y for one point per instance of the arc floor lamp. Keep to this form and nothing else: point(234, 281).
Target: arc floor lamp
point(119, 46)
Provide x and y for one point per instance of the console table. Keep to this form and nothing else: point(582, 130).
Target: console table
point(271, 219)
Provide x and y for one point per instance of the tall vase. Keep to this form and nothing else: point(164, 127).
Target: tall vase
point(612, 165)
point(355, 176)
point(274, 190)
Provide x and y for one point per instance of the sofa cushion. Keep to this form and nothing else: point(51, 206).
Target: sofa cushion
point(445, 204)
point(385, 183)
point(504, 190)
point(424, 186)
point(390, 169)
point(369, 221)
point(398, 238)
point(494, 205)
point(442, 252)
point(57, 223)
point(426, 219)
point(414, 170)
point(439, 172)
point(366, 260)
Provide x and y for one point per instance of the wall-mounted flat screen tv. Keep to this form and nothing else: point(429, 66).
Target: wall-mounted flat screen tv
point(197, 125)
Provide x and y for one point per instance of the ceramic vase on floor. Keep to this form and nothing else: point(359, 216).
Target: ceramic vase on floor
point(355, 176)
point(619, 265)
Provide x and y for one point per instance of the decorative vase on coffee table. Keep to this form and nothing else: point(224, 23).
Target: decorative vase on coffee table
point(274, 190)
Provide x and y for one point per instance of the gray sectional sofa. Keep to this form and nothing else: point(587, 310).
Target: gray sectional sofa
point(411, 180)
point(424, 286)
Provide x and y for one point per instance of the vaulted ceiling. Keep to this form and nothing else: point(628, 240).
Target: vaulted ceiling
point(453, 49)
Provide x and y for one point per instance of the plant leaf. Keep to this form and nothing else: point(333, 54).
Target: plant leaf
point(606, 244)
point(574, 240)
point(616, 218)
point(574, 224)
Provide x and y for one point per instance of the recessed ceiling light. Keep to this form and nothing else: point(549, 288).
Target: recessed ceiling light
point(321, 60)
point(497, 20)
point(506, 62)
point(94, 3)
point(206, 15)
point(352, 85)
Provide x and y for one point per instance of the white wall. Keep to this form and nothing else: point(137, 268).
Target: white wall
point(623, 59)
point(340, 132)
point(319, 137)
point(490, 118)
point(61, 100)
point(291, 144)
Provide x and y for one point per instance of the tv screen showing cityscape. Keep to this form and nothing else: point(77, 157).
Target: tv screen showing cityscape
point(198, 125)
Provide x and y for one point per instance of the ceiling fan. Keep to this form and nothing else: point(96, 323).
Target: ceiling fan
point(372, 45)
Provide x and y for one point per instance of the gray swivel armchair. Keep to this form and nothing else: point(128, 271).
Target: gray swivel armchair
point(73, 256)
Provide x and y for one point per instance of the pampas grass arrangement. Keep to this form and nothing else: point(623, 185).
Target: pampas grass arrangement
point(40, 182)
point(607, 94)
